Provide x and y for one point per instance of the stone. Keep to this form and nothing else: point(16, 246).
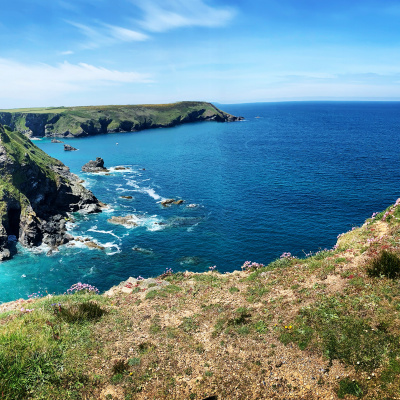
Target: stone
point(67, 147)
point(167, 202)
point(93, 245)
point(126, 221)
point(95, 166)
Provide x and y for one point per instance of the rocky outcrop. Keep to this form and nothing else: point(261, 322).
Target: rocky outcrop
point(87, 121)
point(37, 192)
point(95, 166)
point(128, 220)
point(168, 202)
point(67, 147)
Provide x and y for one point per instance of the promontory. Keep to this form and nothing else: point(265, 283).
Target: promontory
point(93, 120)
point(36, 194)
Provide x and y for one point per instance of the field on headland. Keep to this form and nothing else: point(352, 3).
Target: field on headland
point(322, 327)
point(91, 120)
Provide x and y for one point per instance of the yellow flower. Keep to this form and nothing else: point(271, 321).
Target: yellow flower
point(290, 326)
point(285, 327)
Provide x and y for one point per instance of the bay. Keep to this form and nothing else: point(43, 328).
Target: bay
point(289, 178)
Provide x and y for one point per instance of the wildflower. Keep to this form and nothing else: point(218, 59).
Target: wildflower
point(287, 255)
point(82, 287)
point(212, 268)
point(248, 266)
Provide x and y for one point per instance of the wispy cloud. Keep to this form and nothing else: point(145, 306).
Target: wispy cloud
point(163, 15)
point(105, 34)
point(66, 53)
point(43, 81)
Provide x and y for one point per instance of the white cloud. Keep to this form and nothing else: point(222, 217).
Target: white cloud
point(106, 35)
point(163, 15)
point(125, 35)
point(66, 53)
point(43, 82)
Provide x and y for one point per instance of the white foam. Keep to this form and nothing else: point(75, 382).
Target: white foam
point(94, 229)
point(191, 228)
point(151, 223)
point(111, 245)
point(127, 170)
point(146, 190)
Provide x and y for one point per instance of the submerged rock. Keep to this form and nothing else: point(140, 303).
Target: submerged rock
point(128, 220)
point(95, 166)
point(141, 250)
point(126, 197)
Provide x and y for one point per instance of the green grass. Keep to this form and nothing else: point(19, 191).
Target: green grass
point(42, 353)
point(101, 119)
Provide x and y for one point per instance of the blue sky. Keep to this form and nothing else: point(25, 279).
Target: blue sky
point(91, 52)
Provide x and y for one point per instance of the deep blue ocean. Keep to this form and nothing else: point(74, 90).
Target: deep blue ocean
point(289, 178)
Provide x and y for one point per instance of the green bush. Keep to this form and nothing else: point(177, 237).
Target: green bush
point(385, 264)
point(347, 386)
point(86, 311)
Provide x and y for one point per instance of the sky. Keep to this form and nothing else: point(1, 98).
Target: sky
point(97, 52)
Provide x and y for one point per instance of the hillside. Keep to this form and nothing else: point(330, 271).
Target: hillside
point(36, 193)
point(323, 327)
point(92, 120)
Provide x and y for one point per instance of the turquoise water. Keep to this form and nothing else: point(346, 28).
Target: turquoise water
point(289, 178)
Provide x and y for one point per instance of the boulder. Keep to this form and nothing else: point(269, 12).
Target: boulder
point(126, 221)
point(67, 147)
point(167, 202)
point(95, 166)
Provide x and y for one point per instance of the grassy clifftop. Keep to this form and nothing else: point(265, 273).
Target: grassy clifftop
point(91, 120)
point(323, 327)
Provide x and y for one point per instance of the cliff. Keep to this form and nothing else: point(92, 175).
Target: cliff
point(36, 193)
point(84, 121)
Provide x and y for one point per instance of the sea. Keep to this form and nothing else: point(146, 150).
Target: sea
point(290, 177)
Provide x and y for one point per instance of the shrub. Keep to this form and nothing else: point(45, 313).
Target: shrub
point(347, 386)
point(385, 264)
point(86, 311)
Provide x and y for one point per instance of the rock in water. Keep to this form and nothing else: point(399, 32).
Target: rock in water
point(95, 166)
point(67, 147)
point(36, 194)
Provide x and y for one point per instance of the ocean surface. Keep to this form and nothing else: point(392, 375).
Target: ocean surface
point(289, 178)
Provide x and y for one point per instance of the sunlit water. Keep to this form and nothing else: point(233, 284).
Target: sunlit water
point(289, 178)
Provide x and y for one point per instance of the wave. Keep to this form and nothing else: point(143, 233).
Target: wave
point(145, 190)
point(94, 229)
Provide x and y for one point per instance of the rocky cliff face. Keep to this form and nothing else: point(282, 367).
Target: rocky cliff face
point(36, 194)
point(85, 121)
